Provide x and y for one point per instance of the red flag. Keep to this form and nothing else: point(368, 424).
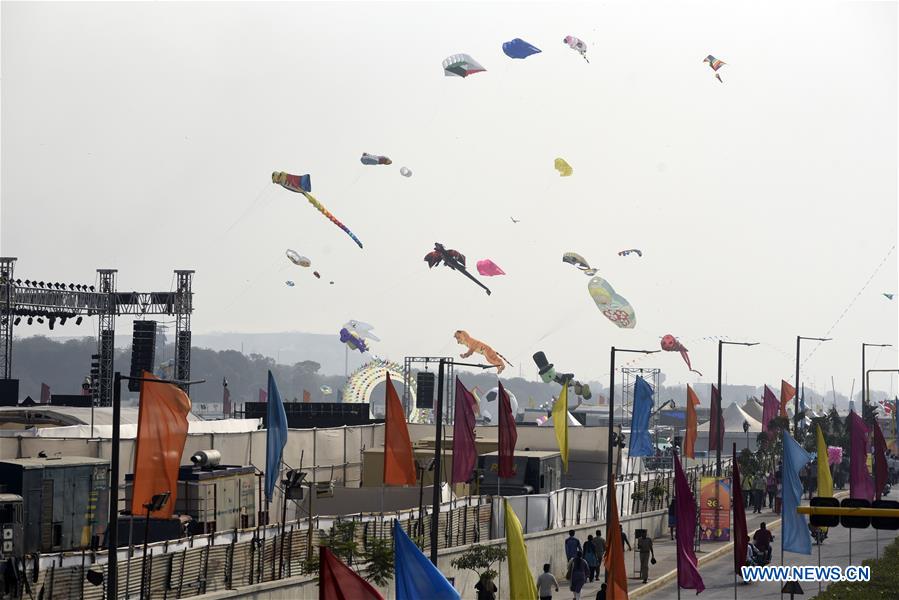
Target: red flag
point(336, 581)
point(508, 435)
point(881, 471)
point(307, 397)
point(263, 395)
point(465, 453)
point(690, 435)
point(161, 433)
point(716, 424)
point(769, 411)
point(741, 532)
point(787, 392)
point(45, 393)
point(614, 561)
point(399, 464)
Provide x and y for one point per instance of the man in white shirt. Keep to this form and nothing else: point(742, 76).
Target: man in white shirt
point(545, 583)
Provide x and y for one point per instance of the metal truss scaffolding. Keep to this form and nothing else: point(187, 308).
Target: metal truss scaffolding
point(410, 371)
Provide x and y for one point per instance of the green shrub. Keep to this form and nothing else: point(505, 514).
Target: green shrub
point(884, 582)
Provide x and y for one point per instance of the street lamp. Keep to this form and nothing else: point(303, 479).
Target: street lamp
point(612, 420)
point(746, 431)
point(719, 426)
point(864, 378)
point(799, 338)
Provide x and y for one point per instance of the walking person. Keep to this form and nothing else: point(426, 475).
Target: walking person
point(644, 546)
point(577, 574)
point(624, 540)
point(591, 558)
point(572, 546)
point(758, 493)
point(545, 583)
point(600, 544)
point(771, 489)
point(601, 594)
point(672, 517)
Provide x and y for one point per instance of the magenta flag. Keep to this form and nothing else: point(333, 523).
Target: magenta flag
point(263, 395)
point(688, 576)
point(860, 483)
point(770, 409)
point(465, 453)
point(508, 435)
point(881, 471)
point(741, 531)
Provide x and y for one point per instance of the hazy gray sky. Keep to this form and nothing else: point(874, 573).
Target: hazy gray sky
point(135, 135)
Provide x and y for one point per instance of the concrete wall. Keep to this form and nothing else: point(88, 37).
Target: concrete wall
point(543, 547)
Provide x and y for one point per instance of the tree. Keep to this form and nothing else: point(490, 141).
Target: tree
point(480, 558)
point(379, 556)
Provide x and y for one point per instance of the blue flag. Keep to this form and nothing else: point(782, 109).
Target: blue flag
point(641, 442)
point(275, 437)
point(416, 576)
point(795, 528)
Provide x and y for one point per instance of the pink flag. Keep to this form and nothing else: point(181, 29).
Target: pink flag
point(688, 576)
point(263, 395)
point(860, 484)
point(489, 268)
point(465, 453)
point(770, 409)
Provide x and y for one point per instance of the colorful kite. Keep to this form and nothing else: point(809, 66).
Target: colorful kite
point(670, 344)
point(353, 341)
point(360, 329)
point(572, 258)
point(405, 172)
point(563, 168)
point(452, 259)
point(576, 44)
point(302, 184)
point(461, 65)
point(492, 356)
point(614, 307)
point(488, 268)
point(888, 296)
point(715, 64)
point(373, 159)
point(295, 258)
point(518, 48)
point(631, 251)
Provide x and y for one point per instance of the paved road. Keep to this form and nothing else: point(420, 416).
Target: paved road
point(718, 575)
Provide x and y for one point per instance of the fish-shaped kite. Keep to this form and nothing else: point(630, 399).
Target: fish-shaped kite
point(302, 184)
point(452, 259)
point(631, 251)
point(575, 259)
point(576, 44)
point(671, 344)
point(715, 64)
point(563, 167)
point(615, 308)
point(488, 268)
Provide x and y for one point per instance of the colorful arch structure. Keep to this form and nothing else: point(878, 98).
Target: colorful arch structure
point(362, 382)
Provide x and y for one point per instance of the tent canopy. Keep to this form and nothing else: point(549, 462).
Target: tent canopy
point(733, 420)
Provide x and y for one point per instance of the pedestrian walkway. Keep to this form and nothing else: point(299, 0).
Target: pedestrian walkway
point(665, 552)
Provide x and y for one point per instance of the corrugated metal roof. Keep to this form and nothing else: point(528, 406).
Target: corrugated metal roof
point(36, 462)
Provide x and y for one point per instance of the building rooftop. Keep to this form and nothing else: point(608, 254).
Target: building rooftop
point(37, 462)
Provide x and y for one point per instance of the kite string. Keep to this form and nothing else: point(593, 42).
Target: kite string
point(852, 302)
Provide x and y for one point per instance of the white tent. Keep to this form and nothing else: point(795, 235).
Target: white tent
point(572, 422)
point(754, 409)
point(733, 420)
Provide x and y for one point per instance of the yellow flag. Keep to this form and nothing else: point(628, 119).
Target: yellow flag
point(521, 581)
point(560, 424)
point(825, 481)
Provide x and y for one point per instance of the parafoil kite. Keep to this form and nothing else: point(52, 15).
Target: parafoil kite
point(888, 296)
point(573, 258)
point(631, 251)
point(671, 344)
point(317, 275)
point(289, 283)
point(295, 258)
point(326, 390)
point(563, 168)
point(576, 44)
point(405, 172)
point(461, 65)
point(492, 356)
point(302, 184)
point(615, 308)
point(518, 48)
point(488, 268)
point(715, 64)
point(353, 341)
point(361, 329)
point(373, 159)
point(452, 259)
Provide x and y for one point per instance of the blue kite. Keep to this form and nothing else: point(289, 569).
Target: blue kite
point(518, 48)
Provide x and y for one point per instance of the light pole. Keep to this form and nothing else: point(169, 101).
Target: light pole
point(799, 339)
point(719, 426)
point(612, 421)
point(864, 373)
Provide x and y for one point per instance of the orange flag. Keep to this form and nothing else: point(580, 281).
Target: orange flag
point(614, 561)
point(787, 392)
point(690, 435)
point(399, 464)
point(161, 433)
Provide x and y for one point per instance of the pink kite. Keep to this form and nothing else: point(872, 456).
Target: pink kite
point(670, 344)
point(834, 455)
point(488, 268)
